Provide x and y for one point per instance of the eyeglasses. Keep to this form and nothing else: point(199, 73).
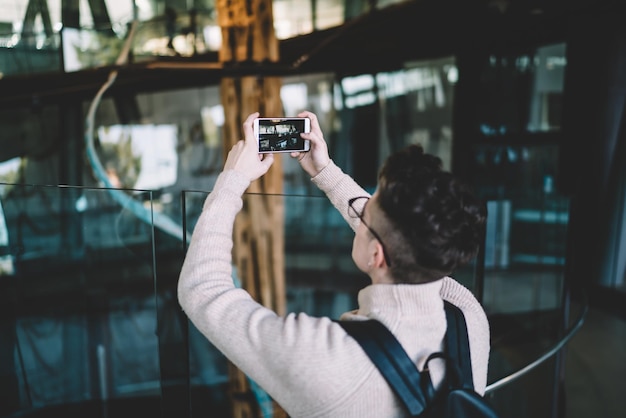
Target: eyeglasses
point(355, 213)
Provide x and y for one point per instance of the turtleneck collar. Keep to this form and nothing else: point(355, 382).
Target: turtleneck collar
point(410, 299)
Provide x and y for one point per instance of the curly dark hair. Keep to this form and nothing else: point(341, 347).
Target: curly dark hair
point(437, 224)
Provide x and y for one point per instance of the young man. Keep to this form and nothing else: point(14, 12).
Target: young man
point(418, 227)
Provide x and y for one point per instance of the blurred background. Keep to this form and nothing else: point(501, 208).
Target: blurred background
point(99, 194)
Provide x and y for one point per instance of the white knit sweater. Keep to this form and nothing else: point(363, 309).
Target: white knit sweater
point(309, 365)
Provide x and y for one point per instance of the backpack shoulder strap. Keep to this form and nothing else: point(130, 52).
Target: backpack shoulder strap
point(459, 370)
point(457, 349)
point(387, 354)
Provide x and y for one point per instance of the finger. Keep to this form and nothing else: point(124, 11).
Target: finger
point(312, 116)
point(267, 161)
point(311, 136)
point(247, 126)
point(297, 155)
point(236, 146)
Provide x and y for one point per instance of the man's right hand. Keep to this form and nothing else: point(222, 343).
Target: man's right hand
point(244, 155)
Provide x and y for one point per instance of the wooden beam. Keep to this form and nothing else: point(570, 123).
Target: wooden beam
point(258, 253)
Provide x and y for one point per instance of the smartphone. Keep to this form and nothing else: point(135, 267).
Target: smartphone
point(281, 134)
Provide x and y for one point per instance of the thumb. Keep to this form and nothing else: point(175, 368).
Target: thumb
point(267, 161)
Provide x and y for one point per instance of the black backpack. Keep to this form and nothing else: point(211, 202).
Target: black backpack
point(456, 397)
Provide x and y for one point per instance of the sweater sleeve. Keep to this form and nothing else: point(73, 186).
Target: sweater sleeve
point(205, 286)
point(339, 188)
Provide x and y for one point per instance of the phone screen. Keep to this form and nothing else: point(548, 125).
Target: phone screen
point(281, 134)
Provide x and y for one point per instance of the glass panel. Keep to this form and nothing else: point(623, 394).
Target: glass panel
point(525, 254)
point(527, 226)
point(328, 13)
point(177, 31)
point(522, 92)
point(524, 263)
point(382, 114)
point(292, 18)
point(547, 91)
point(88, 48)
point(79, 310)
point(613, 270)
point(28, 53)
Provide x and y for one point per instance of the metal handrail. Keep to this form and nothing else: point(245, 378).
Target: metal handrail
point(557, 347)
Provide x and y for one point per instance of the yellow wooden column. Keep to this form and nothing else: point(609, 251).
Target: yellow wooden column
point(248, 37)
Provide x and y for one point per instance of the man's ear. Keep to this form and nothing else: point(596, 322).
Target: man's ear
point(377, 254)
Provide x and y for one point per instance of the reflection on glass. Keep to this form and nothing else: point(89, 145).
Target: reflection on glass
point(79, 307)
point(140, 156)
point(547, 89)
point(85, 48)
point(522, 92)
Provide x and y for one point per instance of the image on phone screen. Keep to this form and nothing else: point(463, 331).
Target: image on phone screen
point(282, 135)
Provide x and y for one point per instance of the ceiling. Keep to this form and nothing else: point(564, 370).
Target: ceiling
point(381, 40)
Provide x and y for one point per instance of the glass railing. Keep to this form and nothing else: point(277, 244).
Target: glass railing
point(82, 302)
point(89, 319)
